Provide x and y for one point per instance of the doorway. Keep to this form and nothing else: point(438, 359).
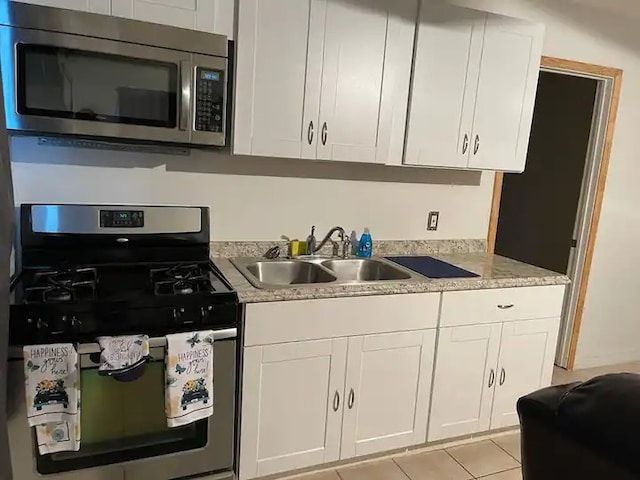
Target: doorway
point(548, 215)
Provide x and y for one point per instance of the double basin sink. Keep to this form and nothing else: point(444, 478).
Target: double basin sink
point(321, 271)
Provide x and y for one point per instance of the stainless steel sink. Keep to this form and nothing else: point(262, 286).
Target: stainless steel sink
point(289, 272)
point(321, 272)
point(365, 270)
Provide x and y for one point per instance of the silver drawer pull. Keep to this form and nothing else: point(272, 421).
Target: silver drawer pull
point(505, 307)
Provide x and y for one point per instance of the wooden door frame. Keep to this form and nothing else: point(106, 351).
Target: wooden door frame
point(615, 75)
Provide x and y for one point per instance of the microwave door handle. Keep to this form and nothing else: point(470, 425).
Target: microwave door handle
point(185, 96)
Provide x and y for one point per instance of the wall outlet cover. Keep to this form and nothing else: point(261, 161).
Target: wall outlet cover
point(432, 221)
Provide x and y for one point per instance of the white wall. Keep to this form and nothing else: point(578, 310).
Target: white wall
point(261, 198)
point(604, 33)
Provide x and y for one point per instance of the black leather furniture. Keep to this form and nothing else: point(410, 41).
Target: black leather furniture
point(582, 431)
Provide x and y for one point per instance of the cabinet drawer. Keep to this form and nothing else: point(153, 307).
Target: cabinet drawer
point(501, 305)
point(294, 321)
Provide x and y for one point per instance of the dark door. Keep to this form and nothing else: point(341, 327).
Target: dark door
point(538, 207)
point(6, 242)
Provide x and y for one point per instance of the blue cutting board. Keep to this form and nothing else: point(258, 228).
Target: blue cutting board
point(432, 268)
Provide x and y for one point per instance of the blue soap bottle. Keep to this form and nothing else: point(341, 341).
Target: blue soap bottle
point(365, 246)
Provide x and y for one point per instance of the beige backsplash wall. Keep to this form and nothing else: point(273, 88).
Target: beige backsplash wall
point(261, 198)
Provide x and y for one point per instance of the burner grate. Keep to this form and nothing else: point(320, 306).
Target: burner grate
point(62, 286)
point(180, 280)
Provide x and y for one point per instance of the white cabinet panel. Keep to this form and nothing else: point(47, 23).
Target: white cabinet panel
point(506, 93)
point(445, 77)
point(526, 364)
point(501, 305)
point(95, 6)
point(292, 402)
point(387, 392)
point(279, 58)
point(464, 380)
point(214, 16)
point(365, 74)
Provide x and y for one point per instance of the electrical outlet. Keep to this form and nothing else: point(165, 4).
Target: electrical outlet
point(432, 221)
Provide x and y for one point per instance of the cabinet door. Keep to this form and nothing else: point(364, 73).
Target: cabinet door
point(526, 364)
point(365, 79)
point(506, 93)
point(445, 78)
point(292, 400)
point(215, 16)
point(387, 392)
point(95, 6)
point(464, 380)
point(279, 65)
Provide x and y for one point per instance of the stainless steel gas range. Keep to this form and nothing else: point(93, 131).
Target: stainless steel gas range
point(91, 270)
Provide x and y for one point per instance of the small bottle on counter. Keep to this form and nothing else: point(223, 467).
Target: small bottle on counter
point(365, 246)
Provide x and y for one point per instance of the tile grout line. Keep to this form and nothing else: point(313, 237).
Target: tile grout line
point(505, 451)
point(456, 460)
point(400, 468)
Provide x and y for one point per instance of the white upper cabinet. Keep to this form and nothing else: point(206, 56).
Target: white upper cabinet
point(292, 406)
point(506, 94)
point(214, 16)
point(365, 78)
point(464, 380)
point(335, 87)
point(94, 6)
point(387, 392)
point(473, 90)
point(526, 364)
point(274, 70)
point(446, 68)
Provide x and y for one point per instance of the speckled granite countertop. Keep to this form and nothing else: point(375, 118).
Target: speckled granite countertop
point(495, 272)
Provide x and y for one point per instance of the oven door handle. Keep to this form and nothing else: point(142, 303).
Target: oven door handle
point(185, 94)
point(155, 342)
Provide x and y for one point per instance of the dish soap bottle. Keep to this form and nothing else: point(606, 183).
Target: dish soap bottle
point(365, 246)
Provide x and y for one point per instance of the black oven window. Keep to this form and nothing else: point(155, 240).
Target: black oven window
point(74, 84)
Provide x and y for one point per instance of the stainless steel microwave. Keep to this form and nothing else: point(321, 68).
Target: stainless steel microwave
point(74, 73)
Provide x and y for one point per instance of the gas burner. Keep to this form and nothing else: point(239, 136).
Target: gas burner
point(180, 280)
point(182, 288)
point(62, 286)
point(57, 295)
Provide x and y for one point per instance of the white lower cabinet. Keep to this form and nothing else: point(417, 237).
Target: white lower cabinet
point(292, 406)
point(482, 368)
point(387, 392)
point(309, 403)
point(308, 399)
point(463, 381)
point(527, 351)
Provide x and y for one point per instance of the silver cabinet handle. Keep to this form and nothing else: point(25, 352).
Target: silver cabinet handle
point(310, 133)
point(476, 145)
point(506, 307)
point(324, 133)
point(336, 401)
point(503, 376)
point(465, 143)
point(185, 94)
point(352, 399)
point(492, 378)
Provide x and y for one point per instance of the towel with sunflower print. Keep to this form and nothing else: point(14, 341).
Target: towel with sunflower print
point(52, 393)
point(189, 377)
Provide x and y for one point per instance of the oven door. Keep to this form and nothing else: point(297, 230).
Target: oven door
point(125, 423)
point(67, 84)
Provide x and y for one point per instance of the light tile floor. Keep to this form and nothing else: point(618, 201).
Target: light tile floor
point(496, 459)
point(561, 376)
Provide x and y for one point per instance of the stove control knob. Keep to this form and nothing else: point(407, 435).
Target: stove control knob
point(41, 324)
point(177, 313)
point(205, 312)
point(75, 323)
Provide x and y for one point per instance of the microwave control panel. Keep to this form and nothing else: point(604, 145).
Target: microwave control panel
point(209, 100)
